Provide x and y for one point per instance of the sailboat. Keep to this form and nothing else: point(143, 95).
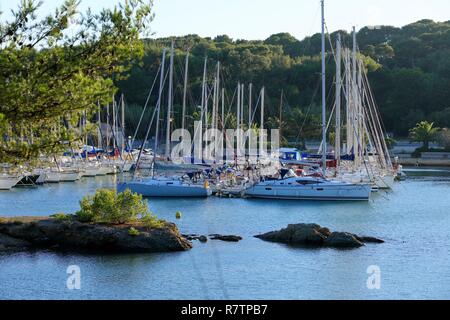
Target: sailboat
point(59, 174)
point(167, 187)
point(309, 188)
point(312, 188)
point(186, 186)
point(367, 157)
point(7, 181)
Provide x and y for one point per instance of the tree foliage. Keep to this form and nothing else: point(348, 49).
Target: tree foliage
point(409, 69)
point(55, 69)
point(424, 132)
point(108, 207)
point(444, 138)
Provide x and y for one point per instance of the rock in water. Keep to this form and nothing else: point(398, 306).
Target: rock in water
point(342, 240)
point(369, 239)
point(301, 234)
point(72, 235)
point(325, 231)
point(226, 238)
point(8, 243)
point(315, 235)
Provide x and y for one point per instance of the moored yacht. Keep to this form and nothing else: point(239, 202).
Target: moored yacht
point(56, 175)
point(90, 170)
point(166, 187)
point(8, 181)
point(309, 188)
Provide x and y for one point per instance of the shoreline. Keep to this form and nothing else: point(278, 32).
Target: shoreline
point(45, 233)
point(419, 162)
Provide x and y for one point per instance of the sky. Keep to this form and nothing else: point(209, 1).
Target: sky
point(258, 19)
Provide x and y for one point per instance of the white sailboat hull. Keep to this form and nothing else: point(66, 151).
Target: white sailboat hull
point(379, 181)
point(61, 176)
point(385, 182)
point(290, 189)
point(7, 182)
point(90, 172)
point(126, 167)
point(69, 176)
point(52, 177)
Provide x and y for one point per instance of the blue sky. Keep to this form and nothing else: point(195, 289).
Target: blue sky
point(258, 19)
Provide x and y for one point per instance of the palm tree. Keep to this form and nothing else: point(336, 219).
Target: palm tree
point(424, 132)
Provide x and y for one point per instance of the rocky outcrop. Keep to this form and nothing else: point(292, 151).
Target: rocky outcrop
point(8, 243)
point(204, 239)
point(316, 236)
point(342, 240)
point(308, 234)
point(25, 233)
point(226, 238)
point(369, 239)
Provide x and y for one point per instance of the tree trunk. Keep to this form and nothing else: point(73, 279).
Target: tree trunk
point(426, 145)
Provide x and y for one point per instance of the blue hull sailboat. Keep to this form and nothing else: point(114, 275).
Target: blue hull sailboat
point(160, 187)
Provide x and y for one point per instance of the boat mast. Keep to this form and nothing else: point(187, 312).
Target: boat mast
point(215, 96)
point(216, 114)
point(107, 128)
point(114, 124)
point(355, 102)
point(348, 99)
point(338, 103)
point(204, 94)
point(261, 131)
point(86, 137)
point(158, 113)
point(238, 117)
point(362, 142)
point(99, 131)
point(186, 74)
point(324, 120)
point(170, 103)
point(123, 124)
point(250, 90)
point(280, 118)
point(223, 109)
point(242, 106)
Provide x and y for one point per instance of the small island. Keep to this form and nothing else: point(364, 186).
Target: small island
point(107, 222)
point(314, 235)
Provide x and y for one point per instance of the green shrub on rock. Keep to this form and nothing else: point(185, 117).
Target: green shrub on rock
point(86, 214)
point(61, 217)
point(150, 221)
point(133, 232)
point(130, 207)
point(108, 207)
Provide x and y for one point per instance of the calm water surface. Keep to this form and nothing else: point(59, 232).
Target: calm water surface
point(414, 219)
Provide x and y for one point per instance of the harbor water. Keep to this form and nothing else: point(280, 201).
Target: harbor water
point(413, 219)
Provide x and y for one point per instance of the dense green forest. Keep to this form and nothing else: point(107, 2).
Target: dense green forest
point(409, 69)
